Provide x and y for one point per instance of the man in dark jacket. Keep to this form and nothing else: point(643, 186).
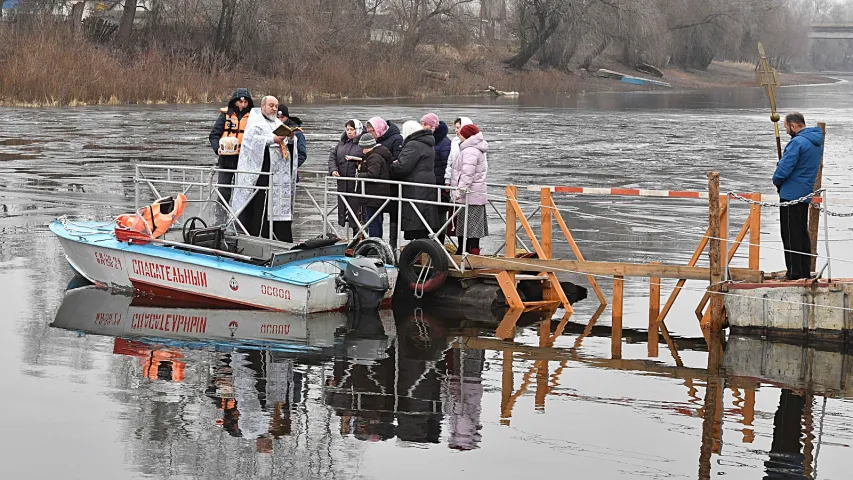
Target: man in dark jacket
point(230, 123)
point(415, 165)
point(296, 123)
point(795, 177)
point(375, 166)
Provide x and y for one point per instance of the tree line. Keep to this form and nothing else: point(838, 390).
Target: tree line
point(286, 37)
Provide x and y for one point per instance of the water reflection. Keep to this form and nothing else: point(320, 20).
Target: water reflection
point(279, 385)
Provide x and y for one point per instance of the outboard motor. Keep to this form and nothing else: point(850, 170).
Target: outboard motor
point(367, 281)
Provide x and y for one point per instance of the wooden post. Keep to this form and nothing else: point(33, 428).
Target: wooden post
point(709, 418)
point(616, 324)
point(755, 233)
point(714, 250)
point(545, 208)
point(724, 231)
point(814, 214)
point(748, 414)
point(542, 366)
point(654, 311)
point(511, 193)
point(507, 386)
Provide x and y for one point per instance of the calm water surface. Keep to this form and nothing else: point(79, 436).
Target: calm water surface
point(92, 390)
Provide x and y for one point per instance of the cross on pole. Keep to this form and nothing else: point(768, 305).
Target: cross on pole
point(765, 76)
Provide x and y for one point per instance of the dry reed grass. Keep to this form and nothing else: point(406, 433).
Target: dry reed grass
point(55, 67)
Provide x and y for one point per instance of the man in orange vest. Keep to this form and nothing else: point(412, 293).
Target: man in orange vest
point(230, 124)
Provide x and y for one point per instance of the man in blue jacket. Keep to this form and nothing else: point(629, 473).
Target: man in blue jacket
point(795, 178)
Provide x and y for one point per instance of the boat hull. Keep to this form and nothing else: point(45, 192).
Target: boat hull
point(305, 286)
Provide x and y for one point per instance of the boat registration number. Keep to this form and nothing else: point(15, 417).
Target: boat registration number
point(108, 260)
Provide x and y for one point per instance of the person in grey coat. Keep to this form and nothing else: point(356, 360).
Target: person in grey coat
point(416, 165)
point(340, 166)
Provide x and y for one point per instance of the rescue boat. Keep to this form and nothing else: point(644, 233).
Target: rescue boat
point(208, 267)
point(96, 310)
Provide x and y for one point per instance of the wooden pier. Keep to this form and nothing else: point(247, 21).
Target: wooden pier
point(509, 270)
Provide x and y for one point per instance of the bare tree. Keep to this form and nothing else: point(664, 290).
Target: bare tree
point(225, 27)
point(538, 21)
point(416, 19)
point(125, 29)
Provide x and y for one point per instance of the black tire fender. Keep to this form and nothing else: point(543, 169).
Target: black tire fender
point(408, 272)
point(374, 247)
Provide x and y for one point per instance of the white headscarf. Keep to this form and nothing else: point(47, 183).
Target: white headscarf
point(358, 127)
point(410, 127)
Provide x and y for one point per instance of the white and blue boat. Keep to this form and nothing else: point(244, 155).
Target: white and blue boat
point(221, 268)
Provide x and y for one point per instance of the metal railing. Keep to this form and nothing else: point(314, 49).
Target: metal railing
point(204, 180)
point(200, 178)
point(329, 188)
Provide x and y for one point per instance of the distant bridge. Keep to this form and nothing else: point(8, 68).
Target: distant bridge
point(832, 31)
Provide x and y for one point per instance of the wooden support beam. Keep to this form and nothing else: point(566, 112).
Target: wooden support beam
point(588, 329)
point(507, 386)
point(507, 284)
point(716, 267)
point(724, 230)
point(547, 222)
point(748, 415)
point(576, 250)
point(731, 255)
point(506, 329)
point(531, 353)
point(616, 324)
point(755, 233)
point(709, 415)
point(654, 311)
point(814, 214)
point(607, 268)
point(675, 291)
point(511, 225)
point(548, 291)
point(542, 367)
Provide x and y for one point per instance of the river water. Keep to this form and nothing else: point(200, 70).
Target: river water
point(425, 393)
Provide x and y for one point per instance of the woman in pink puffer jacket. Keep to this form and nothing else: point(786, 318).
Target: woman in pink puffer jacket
point(468, 175)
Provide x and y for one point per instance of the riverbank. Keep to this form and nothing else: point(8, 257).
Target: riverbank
point(39, 72)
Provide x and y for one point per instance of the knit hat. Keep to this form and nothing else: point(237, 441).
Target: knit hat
point(367, 141)
point(282, 111)
point(469, 131)
point(430, 119)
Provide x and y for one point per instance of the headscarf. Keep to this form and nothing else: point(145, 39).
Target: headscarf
point(379, 126)
point(359, 128)
point(410, 127)
point(465, 121)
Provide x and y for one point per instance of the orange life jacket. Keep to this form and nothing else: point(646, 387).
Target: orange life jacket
point(151, 221)
point(173, 368)
point(161, 214)
point(234, 127)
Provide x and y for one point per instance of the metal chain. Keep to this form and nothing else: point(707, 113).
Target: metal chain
point(830, 212)
point(776, 204)
point(793, 202)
